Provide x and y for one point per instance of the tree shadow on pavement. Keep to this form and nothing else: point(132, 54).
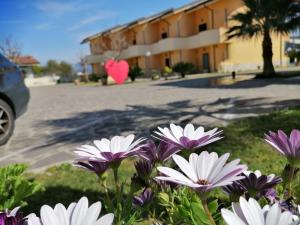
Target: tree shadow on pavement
point(142, 120)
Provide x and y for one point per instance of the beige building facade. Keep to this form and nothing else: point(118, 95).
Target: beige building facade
point(194, 33)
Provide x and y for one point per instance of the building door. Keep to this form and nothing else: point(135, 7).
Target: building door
point(168, 62)
point(205, 62)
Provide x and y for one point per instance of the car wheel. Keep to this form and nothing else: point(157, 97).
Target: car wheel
point(7, 122)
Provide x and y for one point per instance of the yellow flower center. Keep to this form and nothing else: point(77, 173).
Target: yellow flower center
point(202, 182)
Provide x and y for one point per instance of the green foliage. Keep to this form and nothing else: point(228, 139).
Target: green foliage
point(264, 18)
point(184, 68)
point(65, 69)
point(183, 206)
point(15, 187)
point(52, 67)
point(244, 139)
point(294, 54)
point(155, 74)
point(135, 71)
point(37, 70)
point(167, 70)
point(104, 79)
point(62, 69)
point(279, 16)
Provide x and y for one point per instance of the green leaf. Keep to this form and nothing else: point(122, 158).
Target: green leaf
point(213, 206)
point(199, 214)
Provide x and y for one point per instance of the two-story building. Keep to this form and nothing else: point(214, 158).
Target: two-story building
point(194, 33)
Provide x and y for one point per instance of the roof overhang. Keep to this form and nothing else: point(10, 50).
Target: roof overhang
point(156, 17)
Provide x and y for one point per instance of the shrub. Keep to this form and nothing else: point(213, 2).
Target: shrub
point(15, 187)
point(104, 79)
point(135, 71)
point(95, 77)
point(294, 54)
point(184, 68)
point(167, 71)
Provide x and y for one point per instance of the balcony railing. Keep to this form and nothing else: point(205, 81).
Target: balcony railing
point(202, 39)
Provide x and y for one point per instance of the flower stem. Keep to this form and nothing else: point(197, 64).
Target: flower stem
point(115, 169)
point(108, 200)
point(117, 184)
point(290, 181)
point(206, 209)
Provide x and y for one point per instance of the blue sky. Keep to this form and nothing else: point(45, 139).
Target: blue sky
point(53, 29)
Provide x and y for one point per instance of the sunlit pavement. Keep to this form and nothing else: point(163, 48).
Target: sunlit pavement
point(62, 117)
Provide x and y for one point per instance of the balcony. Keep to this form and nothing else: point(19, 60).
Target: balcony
point(92, 59)
point(202, 39)
point(205, 38)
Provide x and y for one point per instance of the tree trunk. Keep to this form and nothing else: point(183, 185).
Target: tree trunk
point(268, 55)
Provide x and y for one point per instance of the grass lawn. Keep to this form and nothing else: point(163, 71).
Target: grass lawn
point(243, 138)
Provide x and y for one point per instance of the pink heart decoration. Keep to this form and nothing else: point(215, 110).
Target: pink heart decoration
point(118, 70)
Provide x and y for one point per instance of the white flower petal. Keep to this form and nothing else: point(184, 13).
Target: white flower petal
point(181, 182)
point(252, 212)
point(286, 218)
point(230, 218)
point(177, 131)
point(218, 166)
point(48, 216)
point(126, 142)
point(209, 165)
point(115, 144)
point(61, 214)
point(173, 174)
point(201, 162)
point(103, 145)
point(189, 131)
point(80, 211)
point(106, 220)
point(185, 167)
point(93, 213)
point(193, 161)
point(273, 215)
point(33, 220)
point(70, 209)
point(199, 133)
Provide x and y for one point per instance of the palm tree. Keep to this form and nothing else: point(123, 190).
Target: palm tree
point(264, 18)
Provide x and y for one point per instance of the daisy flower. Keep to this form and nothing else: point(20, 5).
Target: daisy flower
point(203, 172)
point(188, 137)
point(109, 151)
point(76, 214)
point(287, 146)
point(250, 213)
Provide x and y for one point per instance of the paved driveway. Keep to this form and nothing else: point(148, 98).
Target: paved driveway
point(62, 117)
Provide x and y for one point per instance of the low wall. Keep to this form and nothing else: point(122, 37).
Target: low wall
point(40, 81)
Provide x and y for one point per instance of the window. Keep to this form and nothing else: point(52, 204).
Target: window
point(168, 62)
point(134, 42)
point(164, 35)
point(202, 27)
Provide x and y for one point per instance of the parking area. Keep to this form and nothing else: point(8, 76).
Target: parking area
point(62, 117)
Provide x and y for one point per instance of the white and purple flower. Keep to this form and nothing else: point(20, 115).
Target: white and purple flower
point(188, 137)
point(287, 146)
point(76, 214)
point(203, 172)
point(13, 217)
point(161, 153)
point(254, 184)
point(250, 213)
point(109, 151)
point(144, 198)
